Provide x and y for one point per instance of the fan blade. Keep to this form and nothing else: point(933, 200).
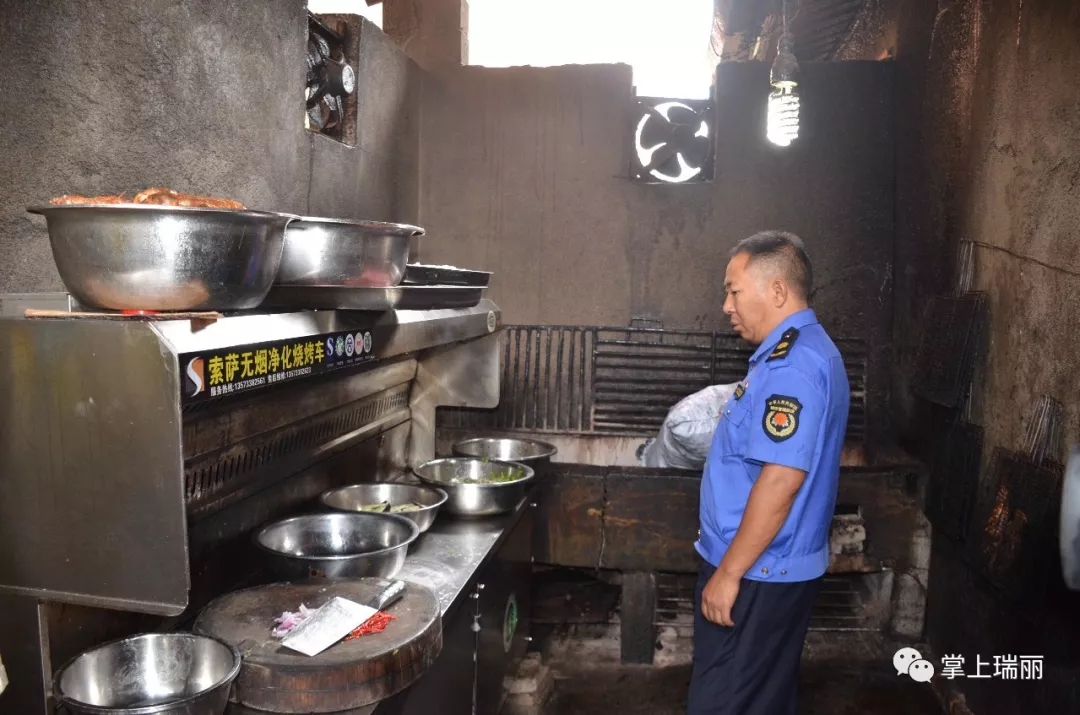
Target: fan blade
point(655, 113)
point(322, 45)
point(694, 149)
point(661, 156)
point(333, 111)
point(683, 115)
point(315, 115)
point(655, 132)
point(317, 95)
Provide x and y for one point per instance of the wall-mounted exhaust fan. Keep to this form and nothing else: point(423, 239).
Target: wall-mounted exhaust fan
point(673, 141)
point(331, 80)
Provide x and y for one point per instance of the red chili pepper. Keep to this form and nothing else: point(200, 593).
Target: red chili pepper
point(375, 624)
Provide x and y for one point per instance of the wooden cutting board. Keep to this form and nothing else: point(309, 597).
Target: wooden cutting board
point(349, 674)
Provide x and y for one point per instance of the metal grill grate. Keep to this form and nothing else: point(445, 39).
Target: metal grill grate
point(954, 480)
point(839, 606)
point(1013, 532)
point(675, 603)
point(639, 374)
point(946, 356)
point(546, 379)
point(620, 381)
point(210, 477)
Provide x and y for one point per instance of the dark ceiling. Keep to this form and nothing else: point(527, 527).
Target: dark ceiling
point(750, 29)
point(821, 27)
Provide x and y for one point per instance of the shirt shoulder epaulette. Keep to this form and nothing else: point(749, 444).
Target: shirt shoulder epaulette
point(787, 340)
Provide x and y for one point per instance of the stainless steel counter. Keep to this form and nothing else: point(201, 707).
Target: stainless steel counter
point(449, 554)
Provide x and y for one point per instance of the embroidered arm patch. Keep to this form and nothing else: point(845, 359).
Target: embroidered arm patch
point(781, 419)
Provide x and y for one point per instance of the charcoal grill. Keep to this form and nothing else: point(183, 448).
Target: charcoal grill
point(139, 456)
point(620, 381)
point(1013, 536)
point(1019, 510)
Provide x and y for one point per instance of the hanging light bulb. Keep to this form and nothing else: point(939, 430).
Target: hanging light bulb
point(782, 120)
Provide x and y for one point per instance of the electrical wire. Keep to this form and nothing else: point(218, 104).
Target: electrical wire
point(1029, 259)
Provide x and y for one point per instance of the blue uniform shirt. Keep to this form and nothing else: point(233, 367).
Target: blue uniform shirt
point(791, 410)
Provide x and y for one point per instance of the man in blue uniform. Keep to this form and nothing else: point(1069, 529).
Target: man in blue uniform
point(769, 488)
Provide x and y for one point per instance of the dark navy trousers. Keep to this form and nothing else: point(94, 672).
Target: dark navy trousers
point(753, 667)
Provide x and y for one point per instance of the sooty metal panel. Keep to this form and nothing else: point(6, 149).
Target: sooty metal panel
point(621, 381)
point(79, 502)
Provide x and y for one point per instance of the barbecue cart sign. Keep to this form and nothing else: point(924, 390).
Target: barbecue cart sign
point(218, 373)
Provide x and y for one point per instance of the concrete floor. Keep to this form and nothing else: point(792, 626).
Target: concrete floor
point(825, 690)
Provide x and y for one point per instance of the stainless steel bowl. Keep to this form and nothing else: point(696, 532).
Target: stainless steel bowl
point(529, 452)
point(353, 498)
point(337, 545)
point(339, 252)
point(166, 258)
point(476, 499)
point(154, 673)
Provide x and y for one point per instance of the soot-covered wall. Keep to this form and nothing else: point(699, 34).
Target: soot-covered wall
point(524, 172)
point(988, 147)
point(204, 97)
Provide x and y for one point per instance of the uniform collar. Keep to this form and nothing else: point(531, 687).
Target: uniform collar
point(795, 320)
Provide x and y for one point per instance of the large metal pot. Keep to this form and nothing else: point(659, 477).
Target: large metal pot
point(353, 498)
point(337, 545)
point(340, 252)
point(150, 674)
point(463, 480)
point(165, 258)
point(529, 452)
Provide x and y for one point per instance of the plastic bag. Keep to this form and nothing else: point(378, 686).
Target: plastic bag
point(687, 432)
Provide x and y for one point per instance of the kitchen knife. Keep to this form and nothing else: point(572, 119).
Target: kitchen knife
point(336, 619)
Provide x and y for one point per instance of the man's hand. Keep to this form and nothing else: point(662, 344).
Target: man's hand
point(718, 597)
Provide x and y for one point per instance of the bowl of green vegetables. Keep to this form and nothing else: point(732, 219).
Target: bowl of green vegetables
point(477, 487)
point(417, 503)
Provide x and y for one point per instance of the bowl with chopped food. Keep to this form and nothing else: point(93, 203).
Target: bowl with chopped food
point(417, 503)
point(477, 487)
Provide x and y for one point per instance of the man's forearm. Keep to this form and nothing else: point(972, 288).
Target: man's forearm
point(766, 510)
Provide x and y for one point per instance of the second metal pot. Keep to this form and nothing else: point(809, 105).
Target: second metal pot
point(476, 499)
point(353, 498)
point(340, 252)
point(530, 452)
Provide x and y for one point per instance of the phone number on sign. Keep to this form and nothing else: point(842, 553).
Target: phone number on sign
point(289, 374)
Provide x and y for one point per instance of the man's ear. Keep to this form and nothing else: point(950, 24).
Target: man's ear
point(778, 291)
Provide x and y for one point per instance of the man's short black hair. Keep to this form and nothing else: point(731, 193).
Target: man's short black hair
point(787, 252)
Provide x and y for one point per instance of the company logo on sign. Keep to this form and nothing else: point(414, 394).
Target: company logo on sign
point(195, 374)
point(238, 368)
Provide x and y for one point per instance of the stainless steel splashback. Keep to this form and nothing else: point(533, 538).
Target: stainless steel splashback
point(122, 441)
